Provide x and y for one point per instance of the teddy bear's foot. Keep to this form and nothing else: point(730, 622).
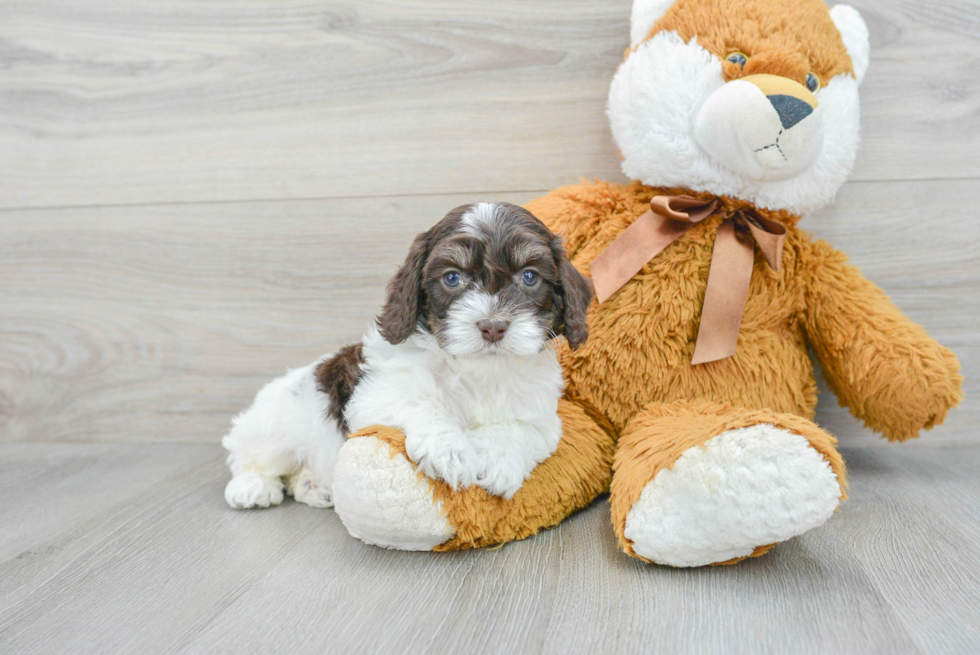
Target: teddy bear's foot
point(742, 489)
point(384, 501)
point(697, 485)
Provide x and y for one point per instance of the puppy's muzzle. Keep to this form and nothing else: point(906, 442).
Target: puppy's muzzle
point(764, 127)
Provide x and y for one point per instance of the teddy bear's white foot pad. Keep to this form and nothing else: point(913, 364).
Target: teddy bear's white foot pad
point(745, 488)
point(382, 501)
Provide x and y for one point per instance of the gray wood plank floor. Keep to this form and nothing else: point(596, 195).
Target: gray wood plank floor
point(130, 548)
point(195, 195)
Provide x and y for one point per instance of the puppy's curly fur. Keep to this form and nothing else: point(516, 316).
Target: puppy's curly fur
point(458, 360)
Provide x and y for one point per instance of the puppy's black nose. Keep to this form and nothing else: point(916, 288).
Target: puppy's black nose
point(492, 330)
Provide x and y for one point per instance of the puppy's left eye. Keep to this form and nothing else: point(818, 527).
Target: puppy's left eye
point(451, 279)
point(530, 278)
point(812, 82)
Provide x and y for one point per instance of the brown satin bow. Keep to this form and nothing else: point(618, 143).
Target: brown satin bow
point(731, 263)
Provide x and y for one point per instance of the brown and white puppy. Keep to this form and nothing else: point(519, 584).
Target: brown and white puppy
point(458, 361)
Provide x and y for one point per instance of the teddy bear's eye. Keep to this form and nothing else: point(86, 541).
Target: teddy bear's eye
point(812, 82)
point(738, 59)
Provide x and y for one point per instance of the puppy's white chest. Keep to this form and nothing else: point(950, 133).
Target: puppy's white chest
point(503, 390)
point(485, 420)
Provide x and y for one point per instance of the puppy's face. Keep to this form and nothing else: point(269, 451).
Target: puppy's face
point(489, 278)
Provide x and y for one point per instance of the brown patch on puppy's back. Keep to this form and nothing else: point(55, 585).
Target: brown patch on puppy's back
point(337, 378)
point(779, 37)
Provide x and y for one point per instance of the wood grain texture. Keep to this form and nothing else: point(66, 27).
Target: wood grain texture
point(161, 322)
point(229, 186)
point(165, 567)
point(917, 532)
point(184, 100)
point(149, 323)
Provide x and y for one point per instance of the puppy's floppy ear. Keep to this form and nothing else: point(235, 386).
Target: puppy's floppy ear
point(400, 314)
point(575, 293)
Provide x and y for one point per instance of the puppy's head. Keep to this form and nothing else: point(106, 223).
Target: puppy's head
point(489, 278)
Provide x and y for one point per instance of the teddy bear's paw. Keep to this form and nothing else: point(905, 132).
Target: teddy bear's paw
point(383, 501)
point(745, 488)
point(249, 489)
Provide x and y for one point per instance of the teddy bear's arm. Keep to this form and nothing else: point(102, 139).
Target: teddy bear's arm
point(886, 369)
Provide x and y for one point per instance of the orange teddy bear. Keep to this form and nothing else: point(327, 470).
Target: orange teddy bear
point(692, 402)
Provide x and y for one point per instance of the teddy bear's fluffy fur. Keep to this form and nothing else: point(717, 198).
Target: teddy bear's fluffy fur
point(712, 463)
point(636, 368)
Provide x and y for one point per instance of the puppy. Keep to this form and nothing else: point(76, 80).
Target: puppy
point(458, 360)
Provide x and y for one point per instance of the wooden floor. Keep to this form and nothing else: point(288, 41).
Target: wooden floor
point(195, 195)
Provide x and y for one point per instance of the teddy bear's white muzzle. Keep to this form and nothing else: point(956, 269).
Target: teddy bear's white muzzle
point(763, 127)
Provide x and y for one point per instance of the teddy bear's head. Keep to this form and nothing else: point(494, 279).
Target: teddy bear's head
point(756, 99)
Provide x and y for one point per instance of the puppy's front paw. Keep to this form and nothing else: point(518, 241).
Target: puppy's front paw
point(502, 474)
point(444, 455)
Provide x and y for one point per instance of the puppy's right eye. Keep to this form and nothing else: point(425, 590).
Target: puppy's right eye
point(451, 279)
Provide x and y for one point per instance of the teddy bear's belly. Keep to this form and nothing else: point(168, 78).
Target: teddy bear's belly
point(639, 353)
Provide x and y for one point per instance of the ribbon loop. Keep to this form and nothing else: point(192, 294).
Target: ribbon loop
point(730, 274)
point(682, 208)
point(770, 236)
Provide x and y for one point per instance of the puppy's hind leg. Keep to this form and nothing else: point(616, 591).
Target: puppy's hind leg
point(264, 442)
point(325, 394)
point(304, 488)
point(252, 489)
point(256, 469)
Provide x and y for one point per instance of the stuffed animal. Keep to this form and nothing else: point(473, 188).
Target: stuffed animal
point(693, 400)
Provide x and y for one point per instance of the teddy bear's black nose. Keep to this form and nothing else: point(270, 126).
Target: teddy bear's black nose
point(791, 110)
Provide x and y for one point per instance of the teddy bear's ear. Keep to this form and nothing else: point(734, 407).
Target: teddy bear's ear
point(645, 14)
point(855, 33)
